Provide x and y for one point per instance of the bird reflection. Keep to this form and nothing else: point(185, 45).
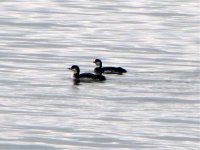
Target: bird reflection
point(76, 82)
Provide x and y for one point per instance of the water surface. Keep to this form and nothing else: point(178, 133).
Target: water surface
point(154, 106)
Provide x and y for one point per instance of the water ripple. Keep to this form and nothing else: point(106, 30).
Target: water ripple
point(154, 106)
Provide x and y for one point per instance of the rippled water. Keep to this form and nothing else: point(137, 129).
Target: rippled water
point(154, 106)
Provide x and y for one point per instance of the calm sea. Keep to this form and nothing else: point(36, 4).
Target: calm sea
point(153, 106)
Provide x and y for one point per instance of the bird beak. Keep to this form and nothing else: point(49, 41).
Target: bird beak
point(69, 68)
point(93, 61)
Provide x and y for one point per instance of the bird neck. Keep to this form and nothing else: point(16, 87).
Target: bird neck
point(76, 75)
point(100, 64)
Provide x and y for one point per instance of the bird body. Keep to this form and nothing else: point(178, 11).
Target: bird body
point(107, 70)
point(85, 76)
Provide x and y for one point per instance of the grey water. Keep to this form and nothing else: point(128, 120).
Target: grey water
point(155, 105)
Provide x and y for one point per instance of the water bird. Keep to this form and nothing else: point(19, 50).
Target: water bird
point(107, 70)
point(86, 76)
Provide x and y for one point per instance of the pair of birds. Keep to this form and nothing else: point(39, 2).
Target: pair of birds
point(99, 70)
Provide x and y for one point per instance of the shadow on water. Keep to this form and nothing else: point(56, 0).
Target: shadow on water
point(80, 82)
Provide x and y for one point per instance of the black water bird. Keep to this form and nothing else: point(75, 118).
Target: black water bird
point(86, 76)
point(107, 70)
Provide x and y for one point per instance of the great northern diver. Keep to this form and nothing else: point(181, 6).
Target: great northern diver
point(107, 70)
point(86, 76)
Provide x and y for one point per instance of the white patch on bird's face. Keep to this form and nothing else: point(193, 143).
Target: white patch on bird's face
point(98, 63)
point(74, 70)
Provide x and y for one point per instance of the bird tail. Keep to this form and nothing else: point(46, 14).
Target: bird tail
point(122, 70)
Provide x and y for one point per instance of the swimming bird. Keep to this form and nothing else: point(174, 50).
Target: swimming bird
point(86, 76)
point(107, 70)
